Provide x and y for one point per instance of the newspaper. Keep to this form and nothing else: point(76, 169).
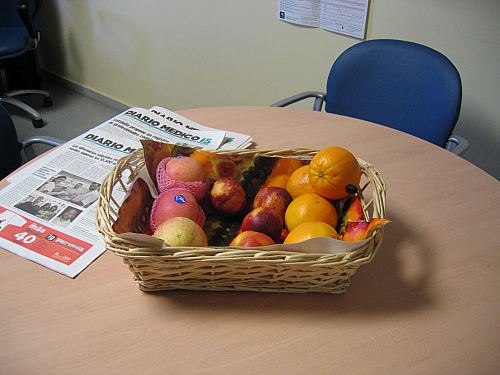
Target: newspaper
point(232, 141)
point(48, 209)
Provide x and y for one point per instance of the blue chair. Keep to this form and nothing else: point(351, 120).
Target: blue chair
point(19, 37)
point(399, 84)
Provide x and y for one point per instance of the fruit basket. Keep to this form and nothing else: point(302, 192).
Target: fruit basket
point(156, 267)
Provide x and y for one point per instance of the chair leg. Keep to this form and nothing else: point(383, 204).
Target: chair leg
point(36, 117)
point(47, 99)
point(29, 151)
point(13, 93)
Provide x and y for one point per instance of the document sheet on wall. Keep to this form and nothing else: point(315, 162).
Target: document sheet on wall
point(346, 17)
point(48, 208)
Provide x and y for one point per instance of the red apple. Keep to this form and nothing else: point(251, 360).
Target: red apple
point(175, 203)
point(225, 167)
point(264, 220)
point(227, 196)
point(283, 235)
point(251, 238)
point(273, 197)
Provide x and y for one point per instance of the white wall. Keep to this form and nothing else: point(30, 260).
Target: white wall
point(195, 53)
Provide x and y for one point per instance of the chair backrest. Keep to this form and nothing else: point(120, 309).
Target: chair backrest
point(11, 151)
point(10, 16)
point(400, 84)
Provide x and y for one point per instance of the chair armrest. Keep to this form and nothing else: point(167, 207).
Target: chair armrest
point(23, 8)
point(457, 144)
point(27, 144)
point(318, 102)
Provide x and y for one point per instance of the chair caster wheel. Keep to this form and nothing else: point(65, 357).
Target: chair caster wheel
point(47, 101)
point(38, 123)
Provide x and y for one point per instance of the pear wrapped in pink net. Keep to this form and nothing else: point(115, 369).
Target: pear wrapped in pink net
point(166, 182)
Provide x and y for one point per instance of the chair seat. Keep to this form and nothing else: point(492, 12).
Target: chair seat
point(14, 41)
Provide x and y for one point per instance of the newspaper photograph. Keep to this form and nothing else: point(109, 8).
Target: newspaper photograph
point(48, 208)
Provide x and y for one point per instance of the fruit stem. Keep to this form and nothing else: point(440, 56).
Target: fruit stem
point(351, 189)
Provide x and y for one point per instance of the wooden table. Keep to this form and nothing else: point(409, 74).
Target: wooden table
point(429, 302)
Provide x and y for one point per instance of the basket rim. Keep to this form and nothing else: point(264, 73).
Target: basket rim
point(104, 221)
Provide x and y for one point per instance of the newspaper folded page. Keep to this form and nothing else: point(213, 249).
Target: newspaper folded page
point(48, 208)
point(232, 141)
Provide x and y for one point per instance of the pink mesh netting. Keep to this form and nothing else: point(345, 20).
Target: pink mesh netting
point(197, 188)
point(200, 218)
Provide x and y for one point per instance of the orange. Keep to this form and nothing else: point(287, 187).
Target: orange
point(279, 180)
point(282, 169)
point(298, 183)
point(310, 207)
point(310, 229)
point(332, 170)
point(285, 166)
point(205, 159)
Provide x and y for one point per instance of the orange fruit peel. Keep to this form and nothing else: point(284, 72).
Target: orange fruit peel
point(361, 230)
point(353, 211)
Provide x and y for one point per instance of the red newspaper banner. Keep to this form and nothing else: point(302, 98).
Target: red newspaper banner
point(40, 238)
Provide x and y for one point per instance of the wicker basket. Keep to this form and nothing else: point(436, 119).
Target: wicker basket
point(229, 269)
